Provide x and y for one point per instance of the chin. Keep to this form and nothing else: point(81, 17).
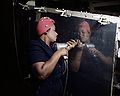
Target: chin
point(84, 41)
point(53, 40)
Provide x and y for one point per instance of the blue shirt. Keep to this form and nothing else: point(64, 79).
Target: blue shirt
point(52, 86)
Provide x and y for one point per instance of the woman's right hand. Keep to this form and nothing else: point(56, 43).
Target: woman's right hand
point(71, 44)
point(79, 44)
point(63, 51)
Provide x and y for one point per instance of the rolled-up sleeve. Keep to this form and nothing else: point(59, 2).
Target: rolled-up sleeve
point(36, 53)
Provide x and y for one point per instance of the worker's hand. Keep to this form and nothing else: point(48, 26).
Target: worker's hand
point(94, 51)
point(63, 51)
point(80, 44)
point(71, 44)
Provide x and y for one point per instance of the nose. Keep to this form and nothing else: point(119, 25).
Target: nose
point(81, 34)
point(56, 33)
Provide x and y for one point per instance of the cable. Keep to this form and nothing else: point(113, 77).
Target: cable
point(66, 79)
point(15, 41)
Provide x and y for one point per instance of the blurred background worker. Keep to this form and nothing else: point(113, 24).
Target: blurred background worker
point(90, 69)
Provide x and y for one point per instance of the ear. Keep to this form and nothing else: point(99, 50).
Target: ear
point(45, 33)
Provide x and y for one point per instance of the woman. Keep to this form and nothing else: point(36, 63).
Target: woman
point(48, 65)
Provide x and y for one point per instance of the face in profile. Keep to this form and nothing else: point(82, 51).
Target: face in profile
point(84, 35)
point(52, 34)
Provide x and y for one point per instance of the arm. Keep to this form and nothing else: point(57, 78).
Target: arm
point(75, 62)
point(101, 56)
point(75, 57)
point(44, 69)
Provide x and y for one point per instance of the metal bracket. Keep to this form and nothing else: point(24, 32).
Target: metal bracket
point(103, 20)
point(40, 9)
point(63, 12)
point(25, 7)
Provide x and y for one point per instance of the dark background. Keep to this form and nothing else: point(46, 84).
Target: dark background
point(20, 25)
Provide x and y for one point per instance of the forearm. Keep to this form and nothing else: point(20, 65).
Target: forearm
point(105, 59)
point(49, 65)
point(75, 62)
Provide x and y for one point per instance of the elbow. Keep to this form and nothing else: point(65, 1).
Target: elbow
point(109, 60)
point(43, 76)
point(41, 73)
point(75, 68)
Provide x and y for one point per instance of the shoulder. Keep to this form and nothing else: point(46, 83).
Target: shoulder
point(34, 44)
point(36, 41)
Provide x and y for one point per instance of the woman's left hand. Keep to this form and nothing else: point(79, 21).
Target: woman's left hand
point(71, 44)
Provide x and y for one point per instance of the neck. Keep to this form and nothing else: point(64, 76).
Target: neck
point(88, 41)
point(45, 39)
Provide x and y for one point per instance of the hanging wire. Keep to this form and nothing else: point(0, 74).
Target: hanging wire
point(15, 40)
point(66, 79)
